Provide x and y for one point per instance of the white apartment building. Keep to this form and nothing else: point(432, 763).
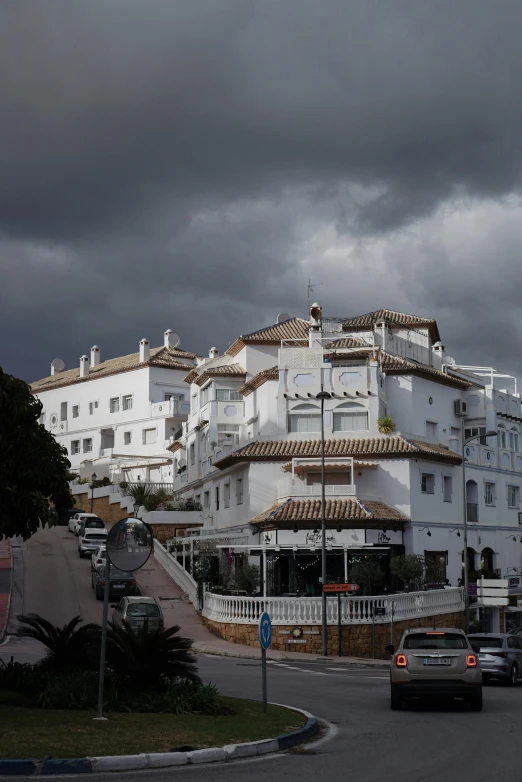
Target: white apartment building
point(250, 450)
point(117, 417)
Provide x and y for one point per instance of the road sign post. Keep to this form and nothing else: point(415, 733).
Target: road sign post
point(265, 639)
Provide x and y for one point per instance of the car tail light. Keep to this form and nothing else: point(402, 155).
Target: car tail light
point(401, 661)
point(471, 661)
point(133, 583)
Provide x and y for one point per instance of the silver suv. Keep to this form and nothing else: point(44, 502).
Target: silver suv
point(435, 662)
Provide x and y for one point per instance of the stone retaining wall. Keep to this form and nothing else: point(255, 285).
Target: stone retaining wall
point(101, 507)
point(356, 639)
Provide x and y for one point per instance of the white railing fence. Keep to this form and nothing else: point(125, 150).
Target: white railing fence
point(183, 579)
point(354, 610)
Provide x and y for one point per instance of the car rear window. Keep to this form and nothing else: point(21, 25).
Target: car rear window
point(94, 523)
point(115, 573)
point(485, 643)
point(95, 535)
point(143, 609)
point(435, 640)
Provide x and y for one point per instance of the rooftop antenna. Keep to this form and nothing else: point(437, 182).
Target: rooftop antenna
point(310, 289)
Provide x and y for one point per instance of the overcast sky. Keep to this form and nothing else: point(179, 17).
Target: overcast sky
point(190, 164)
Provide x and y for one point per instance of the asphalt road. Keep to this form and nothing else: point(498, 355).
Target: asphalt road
point(369, 743)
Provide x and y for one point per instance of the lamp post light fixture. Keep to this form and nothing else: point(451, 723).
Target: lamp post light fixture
point(136, 507)
point(93, 478)
point(465, 442)
point(322, 395)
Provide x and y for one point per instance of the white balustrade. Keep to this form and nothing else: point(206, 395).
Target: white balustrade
point(182, 578)
point(354, 610)
point(285, 488)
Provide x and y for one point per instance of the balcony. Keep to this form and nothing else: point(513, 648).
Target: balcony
point(169, 408)
point(286, 488)
point(472, 511)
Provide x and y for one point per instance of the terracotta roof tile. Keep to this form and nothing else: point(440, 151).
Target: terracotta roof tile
point(392, 364)
point(347, 342)
point(293, 328)
point(175, 446)
point(344, 466)
point(159, 357)
point(398, 319)
point(259, 379)
point(345, 513)
point(378, 447)
point(227, 370)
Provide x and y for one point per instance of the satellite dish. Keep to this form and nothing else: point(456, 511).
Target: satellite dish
point(283, 316)
point(174, 340)
point(58, 364)
point(449, 360)
point(182, 462)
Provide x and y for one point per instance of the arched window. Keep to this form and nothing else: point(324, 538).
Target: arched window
point(487, 560)
point(472, 500)
point(350, 417)
point(304, 418)
point(513, 438)
point(471, 560)
point(502, 437)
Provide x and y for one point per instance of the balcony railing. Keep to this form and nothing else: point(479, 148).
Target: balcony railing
point(354, 610)
point(285, 488)
point(472, 511)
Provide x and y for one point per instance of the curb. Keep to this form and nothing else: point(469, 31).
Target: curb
point(348, 663)
point(162, 759)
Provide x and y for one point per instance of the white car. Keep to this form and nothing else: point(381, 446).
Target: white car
point(76, 520)
point(90, 540)
point(99, 556)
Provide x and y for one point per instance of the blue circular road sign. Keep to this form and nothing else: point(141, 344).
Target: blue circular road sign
point(265, 630)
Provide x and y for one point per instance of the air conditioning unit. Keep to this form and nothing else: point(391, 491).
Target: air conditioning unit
point(520, 518)
point(461, 408)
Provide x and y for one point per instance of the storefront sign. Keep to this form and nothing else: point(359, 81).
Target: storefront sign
point(311, 632)
point(296, 640)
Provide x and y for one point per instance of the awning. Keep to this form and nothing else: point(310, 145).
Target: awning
point(345, 514)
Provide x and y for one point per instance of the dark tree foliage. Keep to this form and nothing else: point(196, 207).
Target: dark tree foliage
point(34, 468)
point(69, 646)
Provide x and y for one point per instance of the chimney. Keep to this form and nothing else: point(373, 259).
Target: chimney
point(53, 370)
point(437, 355)
point(84, 366)
point(316, 326)
point(95, 356)
point(213, 353)
point(144, 350)
point(166, 335)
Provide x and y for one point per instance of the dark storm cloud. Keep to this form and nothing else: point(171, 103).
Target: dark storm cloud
point(167, 163)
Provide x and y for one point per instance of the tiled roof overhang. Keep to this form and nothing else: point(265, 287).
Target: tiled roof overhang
point(342, 514)
point(394, 319)
point(259, 379)
point(292, 329)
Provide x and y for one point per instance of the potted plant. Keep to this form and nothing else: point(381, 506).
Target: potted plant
point(386, 424)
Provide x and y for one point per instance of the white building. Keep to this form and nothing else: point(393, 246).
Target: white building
point(117, 417)
point(250, 449)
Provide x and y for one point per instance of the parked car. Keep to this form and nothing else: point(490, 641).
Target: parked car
point(91, 522)
point(516, 631)
point(99, 556)
point(121, 582)
point(75, 521)
point(133, 612)
point(435, 662)
point(90, 540)
point(499, 654)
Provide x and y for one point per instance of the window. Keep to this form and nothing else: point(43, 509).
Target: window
point(431, 430)
point(427, 483)
point(75, 446)
point(126, 402)
point(197, 500)
point(436, 563)
point(239, 491)
point(92, 407)
point(226, 431)
point(476, 431)
point(513, 439)
point(76, 411)
point(149, 436)
point(513, 642)
point(115, 404)
point(501, 437)
point(205, 394)
point(171, 396)
point(127, 438)
point(192, 452)
point(489, 493)
point(512, 496)
point(87, 445)
point(217, 497)
point(206, 500)
point(228, 395)
point(350, 417)
point(304, 418)
point(226, 495)
point(63, 411)
point(447, 487)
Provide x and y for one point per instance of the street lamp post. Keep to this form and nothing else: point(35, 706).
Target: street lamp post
point(465, 514)
point(136, 507)
point(93, 478)
point(322, 395)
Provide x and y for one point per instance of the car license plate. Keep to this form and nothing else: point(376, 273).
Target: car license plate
point(118, 586)
point(437, 661)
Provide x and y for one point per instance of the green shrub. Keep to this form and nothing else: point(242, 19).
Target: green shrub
point(25, 679)
point(246, 578)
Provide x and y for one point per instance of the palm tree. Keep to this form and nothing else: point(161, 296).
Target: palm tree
point(144, 657)
point(68, 646)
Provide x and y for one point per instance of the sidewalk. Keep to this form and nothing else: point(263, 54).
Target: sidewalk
point(5, 584)
point(155, 582)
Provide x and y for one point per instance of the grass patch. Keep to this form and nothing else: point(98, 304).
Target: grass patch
point(37, 733)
